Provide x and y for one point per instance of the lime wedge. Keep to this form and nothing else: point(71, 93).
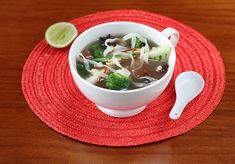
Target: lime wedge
point(60, 35)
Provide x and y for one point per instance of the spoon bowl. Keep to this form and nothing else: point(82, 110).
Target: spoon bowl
point(187, 86)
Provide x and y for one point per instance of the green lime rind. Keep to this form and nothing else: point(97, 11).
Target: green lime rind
point(61, 34)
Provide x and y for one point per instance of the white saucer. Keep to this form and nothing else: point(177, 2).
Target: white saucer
point(121, 113)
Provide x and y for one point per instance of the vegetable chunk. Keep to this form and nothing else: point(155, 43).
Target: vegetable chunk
point(96, 50)
point(117, 81)
point(82, 71)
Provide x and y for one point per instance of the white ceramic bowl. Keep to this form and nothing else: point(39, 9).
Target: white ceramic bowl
point(131, 102)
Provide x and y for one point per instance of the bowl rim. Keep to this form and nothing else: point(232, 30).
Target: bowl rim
point(118, 91)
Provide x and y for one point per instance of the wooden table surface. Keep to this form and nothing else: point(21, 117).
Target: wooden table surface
point(25, 139)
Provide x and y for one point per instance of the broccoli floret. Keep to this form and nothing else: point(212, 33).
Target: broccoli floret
point(97, 50)
point(117, 81)
point(82, 71)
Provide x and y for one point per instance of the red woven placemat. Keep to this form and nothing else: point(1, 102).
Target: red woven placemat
point(53, 96)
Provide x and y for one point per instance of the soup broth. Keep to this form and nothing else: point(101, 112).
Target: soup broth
point(123, 62)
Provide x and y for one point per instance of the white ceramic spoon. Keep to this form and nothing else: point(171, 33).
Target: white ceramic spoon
point(187, 86)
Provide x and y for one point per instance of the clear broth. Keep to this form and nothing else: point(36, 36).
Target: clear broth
point(149, 69)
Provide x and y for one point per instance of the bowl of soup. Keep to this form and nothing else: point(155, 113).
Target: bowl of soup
point(123, 66)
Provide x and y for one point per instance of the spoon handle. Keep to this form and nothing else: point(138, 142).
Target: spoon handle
point(177, 110)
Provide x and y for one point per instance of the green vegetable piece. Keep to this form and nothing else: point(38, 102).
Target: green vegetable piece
point(117, 81)
point(157, 58)
point(164, 58)
point(132, 53)
point(103, 59)
point(82, 71)
point(96, 50)
point(159, 53)
point(138, 43)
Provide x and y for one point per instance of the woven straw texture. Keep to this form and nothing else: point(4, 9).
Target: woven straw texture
point(53, 96)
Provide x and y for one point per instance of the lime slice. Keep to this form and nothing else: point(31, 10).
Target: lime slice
point(61, 34)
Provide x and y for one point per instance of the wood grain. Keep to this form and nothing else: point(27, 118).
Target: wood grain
point(25, 139)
